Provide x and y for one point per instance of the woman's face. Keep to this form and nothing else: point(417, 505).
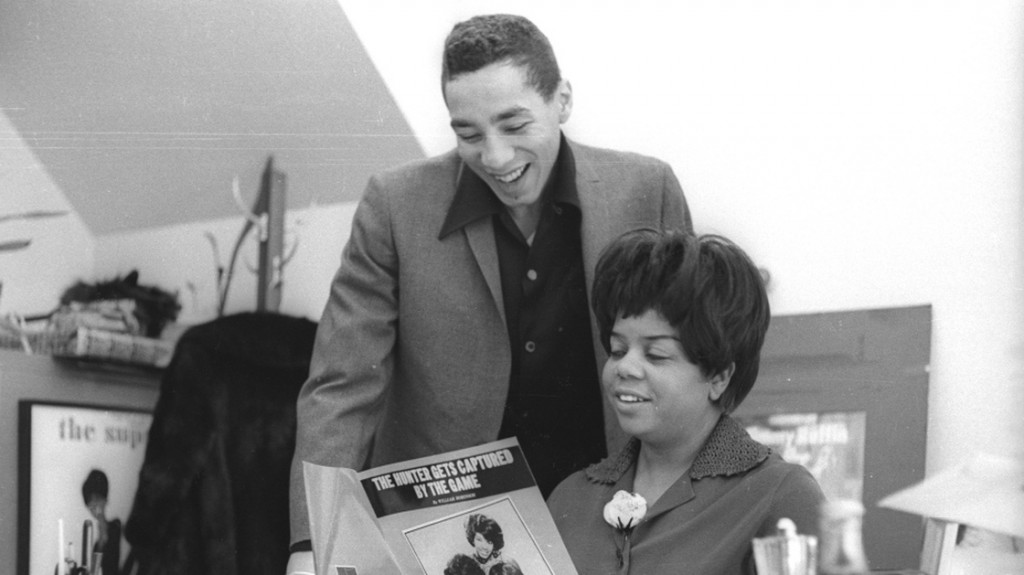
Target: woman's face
point(483, 546)
point(97, 506)
point(659, 396)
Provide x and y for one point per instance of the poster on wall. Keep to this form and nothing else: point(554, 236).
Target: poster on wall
point(78, 469)
point(829, 445)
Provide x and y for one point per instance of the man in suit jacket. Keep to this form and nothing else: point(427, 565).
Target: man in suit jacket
point(459, 313)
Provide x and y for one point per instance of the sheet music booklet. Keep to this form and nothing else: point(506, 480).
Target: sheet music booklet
point(412, 518)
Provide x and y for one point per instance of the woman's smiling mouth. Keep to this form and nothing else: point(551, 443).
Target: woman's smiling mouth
point(630, 398)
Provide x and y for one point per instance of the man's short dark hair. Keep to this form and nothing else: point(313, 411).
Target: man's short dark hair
point(493, 38)
point(705, 287)
point(96, 485)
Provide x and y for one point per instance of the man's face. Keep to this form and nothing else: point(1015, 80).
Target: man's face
point(507, 132)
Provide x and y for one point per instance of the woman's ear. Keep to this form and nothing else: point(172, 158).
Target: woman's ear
point(720, 382)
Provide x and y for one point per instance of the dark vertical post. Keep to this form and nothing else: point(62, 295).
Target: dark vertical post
point(272, 200)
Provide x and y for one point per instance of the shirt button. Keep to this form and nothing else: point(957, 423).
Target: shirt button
point(530, 346)
point(532, 275)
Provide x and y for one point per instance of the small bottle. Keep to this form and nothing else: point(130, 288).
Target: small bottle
point(842, 547)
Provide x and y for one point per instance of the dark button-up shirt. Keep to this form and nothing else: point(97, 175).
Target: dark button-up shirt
point(554, 402)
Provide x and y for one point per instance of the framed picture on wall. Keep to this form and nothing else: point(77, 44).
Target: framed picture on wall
point(829, 445)
point(845, 394)
point(78, 469)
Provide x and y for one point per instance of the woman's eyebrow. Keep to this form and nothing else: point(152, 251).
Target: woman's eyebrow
point(456, 124)
point(657, 337)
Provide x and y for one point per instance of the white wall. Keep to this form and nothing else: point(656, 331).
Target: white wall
point(868, 153)
point(61, 251)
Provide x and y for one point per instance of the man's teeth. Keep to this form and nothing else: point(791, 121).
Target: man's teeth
point(511, 176)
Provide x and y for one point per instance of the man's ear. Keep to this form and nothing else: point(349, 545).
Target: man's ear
point(563, 95)
point(720, 382)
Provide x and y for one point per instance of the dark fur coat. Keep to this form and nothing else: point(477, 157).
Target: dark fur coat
point(213, 490)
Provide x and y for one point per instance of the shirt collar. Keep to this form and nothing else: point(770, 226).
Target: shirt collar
point(474, 199)
point(729, 450)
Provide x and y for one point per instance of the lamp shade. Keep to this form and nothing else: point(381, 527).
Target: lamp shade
point(986, 492)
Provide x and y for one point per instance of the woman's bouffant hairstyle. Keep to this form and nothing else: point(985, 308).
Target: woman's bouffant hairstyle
point(705, 287)
point(489, 39)
point(489, 528)
point(96, 485)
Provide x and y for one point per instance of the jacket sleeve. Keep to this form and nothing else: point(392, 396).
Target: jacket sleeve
point(675, 213)
point(351, 370)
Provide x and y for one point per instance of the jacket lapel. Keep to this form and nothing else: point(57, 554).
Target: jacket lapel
point(594, 206)
point(480, 234)
point(594, 234)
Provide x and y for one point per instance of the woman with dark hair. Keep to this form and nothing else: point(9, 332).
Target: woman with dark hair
point(463, 565)
point(485, 535)
point(95, 490)
point(505, 568)
point(683, 319)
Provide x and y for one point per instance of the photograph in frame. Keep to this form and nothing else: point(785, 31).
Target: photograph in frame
point(78, 472)
point(437, 543)
point(828, 444)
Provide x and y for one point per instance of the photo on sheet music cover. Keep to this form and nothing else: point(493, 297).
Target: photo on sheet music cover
point(490, 535)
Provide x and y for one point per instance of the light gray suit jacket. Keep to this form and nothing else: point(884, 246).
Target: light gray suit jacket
point(412, 356)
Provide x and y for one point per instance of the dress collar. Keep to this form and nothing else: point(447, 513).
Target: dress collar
point(729, 450)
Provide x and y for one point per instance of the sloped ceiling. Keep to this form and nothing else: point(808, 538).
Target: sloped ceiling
point(143, 112)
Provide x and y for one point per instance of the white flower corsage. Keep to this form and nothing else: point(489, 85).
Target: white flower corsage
point(624, 512)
